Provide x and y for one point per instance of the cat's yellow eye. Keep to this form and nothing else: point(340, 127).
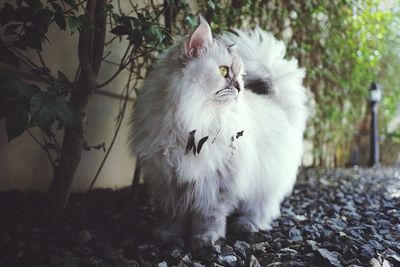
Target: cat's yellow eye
point(224, 71)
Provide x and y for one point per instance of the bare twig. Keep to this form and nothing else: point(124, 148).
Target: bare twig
point(120, 118)
point(42, 147)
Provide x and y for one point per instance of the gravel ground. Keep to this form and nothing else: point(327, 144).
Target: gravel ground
point(345, 217)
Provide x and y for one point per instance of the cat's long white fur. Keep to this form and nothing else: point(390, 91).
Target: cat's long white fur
point(250, 175)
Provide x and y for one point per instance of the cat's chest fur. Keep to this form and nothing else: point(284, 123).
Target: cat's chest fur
point(228, 134)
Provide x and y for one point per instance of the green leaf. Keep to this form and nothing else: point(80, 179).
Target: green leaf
point(191, 20)
point(60, 20)
point(239, 134)
point(84, 22)
point(8, 100)
point(74, 24)
point(201, 143)
point(8, 57)
point(21, 88)
point(120, 30)
point(211, 5)
point(35, 4)
point(66, 115)
point(136, 37)
point(11, 28)
point(57, 7)
point(71, 3)
point(42, 110)
point(16, 122)
point(6, 13)
point(24, 14)
point(191, 143)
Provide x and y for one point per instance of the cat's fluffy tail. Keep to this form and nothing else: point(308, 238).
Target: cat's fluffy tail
point(267, 72)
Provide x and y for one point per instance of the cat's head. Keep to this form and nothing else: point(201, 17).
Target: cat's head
point(212, 66)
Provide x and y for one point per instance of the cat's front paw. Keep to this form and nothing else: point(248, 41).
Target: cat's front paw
point(203, 240)
point(243, 226)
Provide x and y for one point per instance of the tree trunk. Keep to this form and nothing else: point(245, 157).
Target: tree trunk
point(90, 51)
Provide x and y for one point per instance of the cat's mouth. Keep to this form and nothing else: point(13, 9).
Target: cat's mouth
point(227, 94)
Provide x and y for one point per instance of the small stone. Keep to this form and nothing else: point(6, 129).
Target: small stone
point(84, 237)
point(329, 258)
point(367, 252)
point(312, 244)
point(294, 232)
point(229, 260)
point(197, 264)
point(226, 249)
point(374, 263)
point(186, 259)
point(83, 250)
point(392, 256)
point(176, 253)
point(385, 223)
point(241, 247)
point(214, 264)
point(253, 262)
point(260, 247)
point(295, 235)
point(376, 245)
point(217, 248)
point(289, 251)
point(162, 264)
point(71, 260)
point(300, 218)
point(385, 263)
point(103, 249)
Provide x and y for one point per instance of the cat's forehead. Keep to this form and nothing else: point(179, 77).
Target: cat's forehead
point(223, 54)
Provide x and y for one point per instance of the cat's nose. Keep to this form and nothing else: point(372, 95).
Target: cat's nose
point(236, 85)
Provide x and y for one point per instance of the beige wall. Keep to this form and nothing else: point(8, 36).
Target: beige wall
point(24, 166)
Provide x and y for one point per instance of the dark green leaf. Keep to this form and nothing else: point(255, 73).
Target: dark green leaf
point(57, 7)
point(66, 115)
point(74, 24)
point(21, 88)
point(191, 20)
point(11, 28)
point(60, 20)
point(191, 142)
point(108, 8)
point(24, 14)
point(239, 134)
point(120, 30)
point(6, 13)
point(42, 110)
point(211, 4)
point(8, 57)
point(8, 100)
point(16, 123)
point(84, 22)
point(71, 3)
point(136, 37)
point(201, 143)
point(35, 4)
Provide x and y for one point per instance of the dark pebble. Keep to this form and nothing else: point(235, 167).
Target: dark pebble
point(367, 251)
point(328, 258)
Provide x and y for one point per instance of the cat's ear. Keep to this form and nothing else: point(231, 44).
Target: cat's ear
point(200, 39)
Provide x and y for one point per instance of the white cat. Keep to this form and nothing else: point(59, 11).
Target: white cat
point(249, 162)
